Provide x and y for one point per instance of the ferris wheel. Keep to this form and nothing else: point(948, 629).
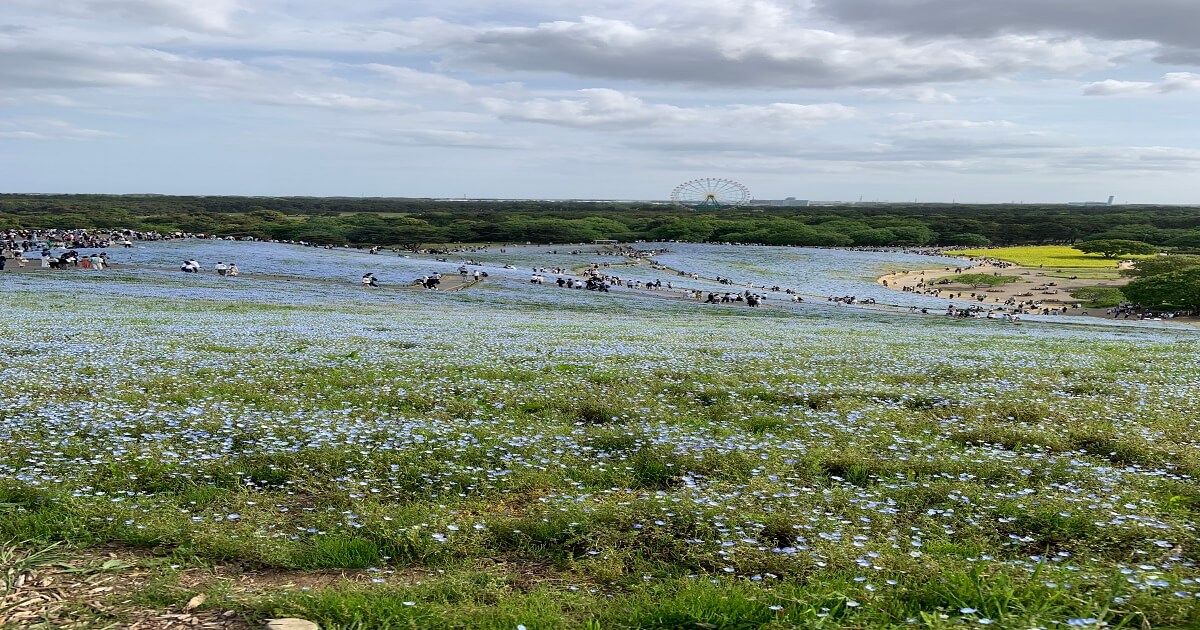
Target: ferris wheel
point(710, 193)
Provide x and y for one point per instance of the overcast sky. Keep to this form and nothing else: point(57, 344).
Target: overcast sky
point(936, 100)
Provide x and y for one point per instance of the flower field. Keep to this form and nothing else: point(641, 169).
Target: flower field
point(510, 456)
point(1059, 256)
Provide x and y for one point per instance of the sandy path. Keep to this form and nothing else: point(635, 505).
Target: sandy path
point(1035, 284)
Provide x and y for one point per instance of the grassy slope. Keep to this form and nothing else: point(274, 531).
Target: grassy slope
point(496, 466)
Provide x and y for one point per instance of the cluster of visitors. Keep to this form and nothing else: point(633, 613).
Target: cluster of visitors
point(475, 275)
point(430, 282)
point(191, 265)
point(591, 283)
point(1128, 310)
point(73, 259)
point(32, 240)
point(745, 297)
point(849, 299)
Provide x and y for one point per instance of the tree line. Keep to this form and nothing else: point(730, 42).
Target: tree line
point(410, 222)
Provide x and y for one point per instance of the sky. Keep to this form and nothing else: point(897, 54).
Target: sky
point(896, 100)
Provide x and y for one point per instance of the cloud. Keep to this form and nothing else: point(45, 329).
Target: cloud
point(611, 109)
point(596, 108)
point(187, 15)
point(56, 65)
point(767, 55)
point(1178, 56)
point(783, 115)
point(1162, 21)
point(1112, 87)
point(39, 65)
point(447, 138)
point(996, 147)
point(919, 94)
point(1030, 154)
point(1171, 82)
point(1177, 81)
point(53, 100)
point(49, 130)
point(416, 80)
point(956, 125)
point(34, 66)
point(330, 100)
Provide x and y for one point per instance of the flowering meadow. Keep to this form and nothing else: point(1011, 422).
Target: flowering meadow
point(514, 456)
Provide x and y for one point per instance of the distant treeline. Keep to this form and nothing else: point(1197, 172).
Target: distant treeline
point(409, 222)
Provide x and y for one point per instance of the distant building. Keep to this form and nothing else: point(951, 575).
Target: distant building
point(789, 202)
point(1093, 203)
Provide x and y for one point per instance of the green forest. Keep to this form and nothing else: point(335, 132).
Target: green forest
point(415, 222)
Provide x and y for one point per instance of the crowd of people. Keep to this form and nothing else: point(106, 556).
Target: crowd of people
point(1127, 310)
point(22, 246)
point(849, 299)
point(35, 240)
point(70, 259)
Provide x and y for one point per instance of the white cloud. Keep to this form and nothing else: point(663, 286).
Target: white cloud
point(48, 99)
point(187, 15)
point(595, 108)
point(49, 130)
point(1177, 81)
point(416, 80)
point(771, 56)
point(33, 67)
point(612, 109)
point(448, 138)
point(331, 100)
point(1171, 82)
point(956, 125)
point(1026, 155)
point(1112, 87)
point(919, 94)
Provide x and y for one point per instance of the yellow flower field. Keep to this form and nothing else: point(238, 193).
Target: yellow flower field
point(1045, 256)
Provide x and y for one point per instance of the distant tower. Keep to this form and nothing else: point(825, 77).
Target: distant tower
point(1110, 199)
